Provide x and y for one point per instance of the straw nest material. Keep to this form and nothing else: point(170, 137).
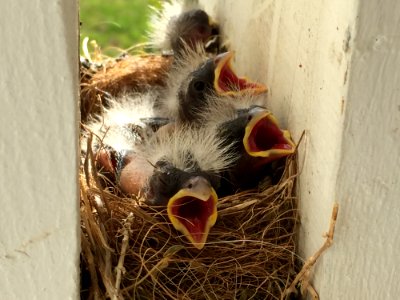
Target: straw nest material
point(130, 251)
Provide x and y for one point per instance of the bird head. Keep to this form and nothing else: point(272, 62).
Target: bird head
point(187, 163)
point(247, 124)
point(255, 130)
point(191, 28)
point(255, 138)
point(190, 199)
point(216, 77)
point(180, 26)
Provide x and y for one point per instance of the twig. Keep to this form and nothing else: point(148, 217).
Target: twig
point(120, 269)
point(91, 264)
point(313, 259)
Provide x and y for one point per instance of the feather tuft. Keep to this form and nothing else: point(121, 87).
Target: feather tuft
point(205, 148)
point(121, 125)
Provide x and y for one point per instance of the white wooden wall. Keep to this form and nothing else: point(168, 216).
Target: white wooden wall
point(333, 69)
point(39, 212)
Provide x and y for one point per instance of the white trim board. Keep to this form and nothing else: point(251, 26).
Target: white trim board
point(39, 216)
point(333, 68)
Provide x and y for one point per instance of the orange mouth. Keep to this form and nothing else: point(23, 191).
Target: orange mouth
point(194, 213)
point(263, 138)
point(226, 81)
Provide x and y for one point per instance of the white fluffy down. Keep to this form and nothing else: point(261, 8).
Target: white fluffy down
point(223, 109)
point(205, 148)
point(185, 64)
point(114, 126)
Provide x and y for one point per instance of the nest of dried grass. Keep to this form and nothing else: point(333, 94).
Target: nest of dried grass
point(130, 251)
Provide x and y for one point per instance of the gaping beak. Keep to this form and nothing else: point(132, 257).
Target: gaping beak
point(263, 138)
point(193, 210)
point(226, 82)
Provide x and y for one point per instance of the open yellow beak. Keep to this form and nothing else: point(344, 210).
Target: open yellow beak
point(193, 210)
point(226, 82)
point(263, 138)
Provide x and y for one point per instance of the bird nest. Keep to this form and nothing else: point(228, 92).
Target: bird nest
point(129, 250)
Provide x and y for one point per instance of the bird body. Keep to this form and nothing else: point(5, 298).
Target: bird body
point(195, 79)
point(181, 171)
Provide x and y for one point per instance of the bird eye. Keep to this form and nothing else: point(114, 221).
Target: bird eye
point(199, 86)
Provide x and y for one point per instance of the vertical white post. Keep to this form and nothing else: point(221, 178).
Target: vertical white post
point(364, 263)
point(39, 207)
point(333, 69)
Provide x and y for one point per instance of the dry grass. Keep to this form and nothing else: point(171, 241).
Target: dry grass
point(130, 251)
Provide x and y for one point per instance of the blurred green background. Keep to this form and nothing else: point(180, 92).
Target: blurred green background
point(115, 24)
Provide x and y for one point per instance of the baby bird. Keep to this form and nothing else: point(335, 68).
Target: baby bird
point(254, 134)
point(180, 171)
point(196, 78)
point(179, 27)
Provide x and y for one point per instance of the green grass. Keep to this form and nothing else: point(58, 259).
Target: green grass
point(115, 23)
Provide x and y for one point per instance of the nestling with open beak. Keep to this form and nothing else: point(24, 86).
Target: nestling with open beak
point(180, 171)
point(195, 79)
point(255, 134)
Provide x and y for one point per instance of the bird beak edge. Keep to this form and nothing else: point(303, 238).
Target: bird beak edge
point(193, 212)
point(226, 82)
point(263, 138)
